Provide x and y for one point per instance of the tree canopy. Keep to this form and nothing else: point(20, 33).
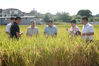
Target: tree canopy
point(87, 13)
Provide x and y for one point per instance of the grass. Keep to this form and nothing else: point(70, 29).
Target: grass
point(63, 50)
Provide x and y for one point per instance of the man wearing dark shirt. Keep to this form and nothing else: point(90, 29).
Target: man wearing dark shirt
point(15, 30)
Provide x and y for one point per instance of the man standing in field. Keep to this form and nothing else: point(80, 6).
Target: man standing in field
point(50, 29)
point(12, 20)
point(32, 30)
point(74, 30)
point(15, 30)
point(87, 30)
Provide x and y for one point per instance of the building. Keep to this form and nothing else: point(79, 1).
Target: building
point(6, 14)
point(25, 20)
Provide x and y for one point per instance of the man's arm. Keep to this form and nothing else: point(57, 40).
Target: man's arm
point(38, 31)
point(55, 34)
point(45, 30)
point(70, 31)
point(56, 31)
point(91, 32)
point(27, 33)
point(8, 33)
point(88, 34)
point(18, 33)
point(8, 30)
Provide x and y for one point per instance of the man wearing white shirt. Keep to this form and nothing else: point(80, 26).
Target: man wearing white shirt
point(87, 30)
point(12, 19)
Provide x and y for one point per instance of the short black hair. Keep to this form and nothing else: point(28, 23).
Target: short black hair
point(50, 21)
point(12, 18)
point(73, 21)
point(85, 18)
point(18, 18)
point(78, 33)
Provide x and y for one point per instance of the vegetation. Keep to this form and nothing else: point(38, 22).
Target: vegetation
point(96, 19)
point(63, 50)
point(46, 18)
point(63, 17)
point(87, 13)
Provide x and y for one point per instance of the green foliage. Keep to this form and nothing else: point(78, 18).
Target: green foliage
point(97, 15)
point(77, 18)
point(46, 18)
point(96, 19)
point(87, 13)
point(64, 17)
point(91, 19)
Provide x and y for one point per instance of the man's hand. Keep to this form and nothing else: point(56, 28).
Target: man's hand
point(8, 33)
point(21, 33)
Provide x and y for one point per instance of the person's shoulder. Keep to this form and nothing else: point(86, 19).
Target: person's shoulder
point(36, 27)
point(90, 25)
point(77, 26)
point(54, 26)
point(9, 24)
point(71, 27)
point(46, 26)
point(29, 28)
point(14, 23)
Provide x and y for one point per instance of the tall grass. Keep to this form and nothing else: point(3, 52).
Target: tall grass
point(63, 50)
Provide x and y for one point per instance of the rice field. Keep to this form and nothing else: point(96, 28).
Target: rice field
point(63, 50)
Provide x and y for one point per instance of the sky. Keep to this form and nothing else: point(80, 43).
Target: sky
point(52, 6)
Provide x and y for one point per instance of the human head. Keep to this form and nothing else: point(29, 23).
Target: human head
point(12, 19)
point(84, 20)
point(18, 20)
point(73, 23)
point(50, 23)
point(33, 23)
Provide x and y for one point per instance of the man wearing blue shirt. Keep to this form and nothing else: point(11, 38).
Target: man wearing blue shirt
point(50, 29)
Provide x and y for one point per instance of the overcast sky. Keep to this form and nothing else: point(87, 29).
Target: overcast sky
point(52, 6)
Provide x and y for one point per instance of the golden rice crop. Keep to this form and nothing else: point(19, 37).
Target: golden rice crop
point(63, 50)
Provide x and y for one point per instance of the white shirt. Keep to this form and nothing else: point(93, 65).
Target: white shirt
point(33, 31)
point(8, 27)
point(50, 30)
point(88, 28)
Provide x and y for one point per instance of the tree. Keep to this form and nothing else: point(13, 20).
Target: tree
point(63, 17)
point(77, 18)
point(46, 18)
point(96, 19)
point(87, 13)
point(97, 15)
